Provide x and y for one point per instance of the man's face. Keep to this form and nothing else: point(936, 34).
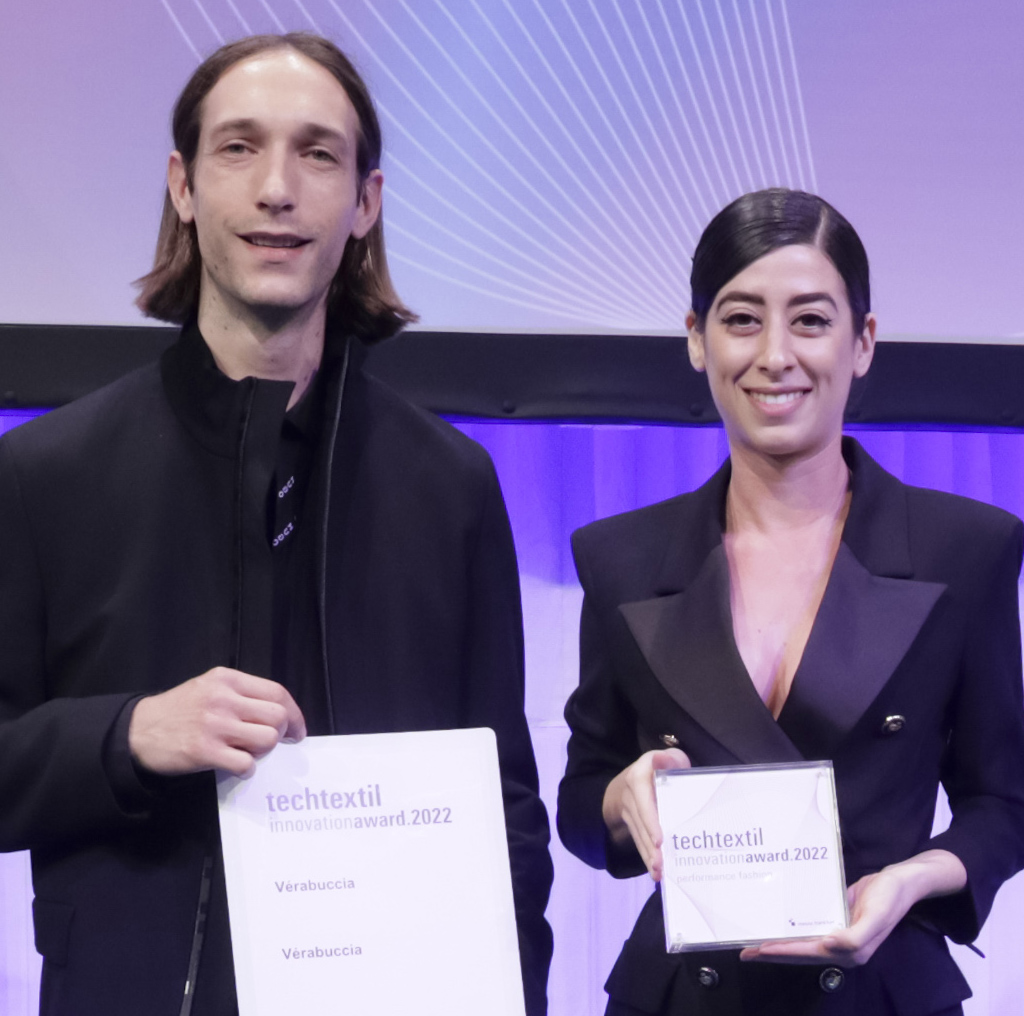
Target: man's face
point(275, 194)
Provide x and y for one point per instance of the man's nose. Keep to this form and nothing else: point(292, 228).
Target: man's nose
point(275, 186)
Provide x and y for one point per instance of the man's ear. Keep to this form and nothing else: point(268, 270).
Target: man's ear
point(177, 187)
point(695, 343)
point(369, 204)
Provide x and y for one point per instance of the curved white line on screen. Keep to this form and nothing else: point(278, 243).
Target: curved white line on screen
point(646, 237)
point(585, 272)
point(464, 284)
point(209, 22)
point(308, 16)
point(799, 96)
point(238, 14)
point(639, 182)
point(610, 280)
point(741, 92)
point(713, 49)
point(522, 146)
point(576, 308)
point(587, 293)
point(641, 107)
point(184, 34)
point(616, 100)
point(693, 156)
point(710, 97)
point(710, 149)
point(509, 165)
point(774, 179)
point(694, 226)
point(771, 94)
point(572, 269)
point(785, 97)
point(277, 21)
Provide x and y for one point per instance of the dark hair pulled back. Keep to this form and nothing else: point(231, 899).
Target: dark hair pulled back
point(758, 223)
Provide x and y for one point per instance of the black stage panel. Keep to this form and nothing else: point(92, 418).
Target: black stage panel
point(552, 377)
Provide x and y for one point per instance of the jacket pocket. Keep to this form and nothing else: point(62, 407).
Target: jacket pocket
point(52, 922)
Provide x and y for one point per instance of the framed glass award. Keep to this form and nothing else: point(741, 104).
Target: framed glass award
point(751, 853)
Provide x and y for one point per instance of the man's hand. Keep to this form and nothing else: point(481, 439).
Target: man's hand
point(223, 719)
point(631, 810)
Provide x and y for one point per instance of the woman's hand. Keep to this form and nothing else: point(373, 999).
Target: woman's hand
point(878, 903)
point(630, 809)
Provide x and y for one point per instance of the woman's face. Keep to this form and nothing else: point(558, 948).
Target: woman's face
point(780, 352)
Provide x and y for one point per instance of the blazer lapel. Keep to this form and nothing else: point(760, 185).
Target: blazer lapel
point(686, 639)
point(871, 613)
point(864, 627)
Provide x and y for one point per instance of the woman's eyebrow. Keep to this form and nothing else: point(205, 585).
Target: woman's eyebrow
point(803, 298)
point(740, 297)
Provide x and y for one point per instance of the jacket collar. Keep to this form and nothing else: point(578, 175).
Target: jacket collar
point(870, 614)
point(212, 407)
point(876, 529)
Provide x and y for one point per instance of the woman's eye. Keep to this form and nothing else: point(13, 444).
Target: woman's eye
point(741, 321)
point(813, 321)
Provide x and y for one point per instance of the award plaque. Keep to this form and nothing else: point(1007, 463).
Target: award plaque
point(369, 873)
point(751, 853)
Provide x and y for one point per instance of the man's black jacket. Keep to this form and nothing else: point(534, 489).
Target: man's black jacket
point(134, 556)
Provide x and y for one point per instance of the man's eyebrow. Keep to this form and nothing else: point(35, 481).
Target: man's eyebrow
point(243, 125)
point(311, 131)
point(317, 131)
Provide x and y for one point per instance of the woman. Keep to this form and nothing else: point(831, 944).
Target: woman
point(803, 604)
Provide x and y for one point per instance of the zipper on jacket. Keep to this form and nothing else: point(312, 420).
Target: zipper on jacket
point(206, 879)
point(199, 930)
point(198, 933)
point(322, 562)
point(239, 524)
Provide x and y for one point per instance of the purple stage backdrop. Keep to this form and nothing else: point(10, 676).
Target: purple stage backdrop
point(558, 477)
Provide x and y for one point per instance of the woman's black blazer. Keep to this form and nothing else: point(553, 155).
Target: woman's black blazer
point(911, 676)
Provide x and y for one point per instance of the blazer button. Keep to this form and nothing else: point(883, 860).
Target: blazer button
point(831, 980)
point(707, 977)
point(893, 724)
point(670, 740)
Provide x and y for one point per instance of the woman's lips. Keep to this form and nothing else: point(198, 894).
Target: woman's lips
point(777, 398)
point(777, 403)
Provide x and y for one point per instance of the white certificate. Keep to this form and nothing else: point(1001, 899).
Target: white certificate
point(369, 874)
point(751, 853)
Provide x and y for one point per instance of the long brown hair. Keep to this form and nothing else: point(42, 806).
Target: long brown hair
point(361, 296)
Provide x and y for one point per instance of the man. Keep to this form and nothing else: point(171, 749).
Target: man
point(250, 541)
